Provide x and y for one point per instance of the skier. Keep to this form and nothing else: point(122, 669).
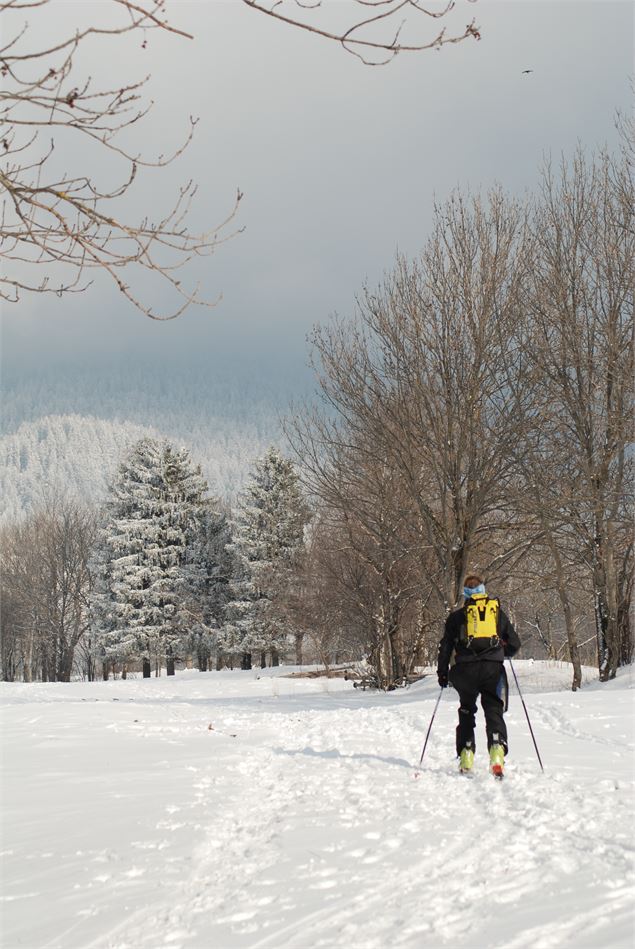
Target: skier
point(481, 636)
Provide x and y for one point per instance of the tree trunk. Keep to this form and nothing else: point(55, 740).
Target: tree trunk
point(28, 656)
point(65, 665)
point(299, 638)
point(147, 669)
point(275, 658)
point(625, 634)
point(606, 659)
point(574, 652)
point(245, 662)
point(263, 659)
point(397, 661)
point(384, 663)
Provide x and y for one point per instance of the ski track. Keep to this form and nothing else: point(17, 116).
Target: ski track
point(320, 807)
point(241, 883)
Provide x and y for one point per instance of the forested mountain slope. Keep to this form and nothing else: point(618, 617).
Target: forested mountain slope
point(61, 454)
point(66, 432)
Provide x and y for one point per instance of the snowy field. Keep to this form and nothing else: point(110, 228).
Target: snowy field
point(245, 809)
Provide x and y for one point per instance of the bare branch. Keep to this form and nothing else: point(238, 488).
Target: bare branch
point(67, 225)
point(362, 38)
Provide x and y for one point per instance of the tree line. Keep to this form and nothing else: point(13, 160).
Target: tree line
point(160, 574)
point(475, 413)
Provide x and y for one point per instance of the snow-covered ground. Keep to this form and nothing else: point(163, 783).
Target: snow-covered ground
point(245, 809)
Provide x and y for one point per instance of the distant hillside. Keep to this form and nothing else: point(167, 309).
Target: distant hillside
point(77, 456)
point(179, 400)
point(67, 430)
point(65, 454)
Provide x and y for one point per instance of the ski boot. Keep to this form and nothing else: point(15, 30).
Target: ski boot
point(466, 759)
point(497, 759)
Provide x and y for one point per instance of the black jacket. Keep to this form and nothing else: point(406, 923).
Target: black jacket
point(451, 642)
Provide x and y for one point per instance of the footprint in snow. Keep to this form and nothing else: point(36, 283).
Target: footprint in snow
point(236, 918)
point(170, 825)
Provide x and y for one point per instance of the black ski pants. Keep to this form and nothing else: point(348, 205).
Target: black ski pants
point(486, 678)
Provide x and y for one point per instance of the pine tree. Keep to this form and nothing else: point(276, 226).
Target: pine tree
point(153, 517)
point(268, 533)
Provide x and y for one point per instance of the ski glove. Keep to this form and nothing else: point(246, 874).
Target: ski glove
point(443, 679)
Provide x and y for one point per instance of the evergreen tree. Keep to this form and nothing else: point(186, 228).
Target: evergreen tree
point(268, 534)
point(209, 567)
point(153, 518)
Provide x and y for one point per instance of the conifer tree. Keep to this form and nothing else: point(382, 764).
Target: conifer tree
point(153, 518)
point(209, 568)
point(268, 534)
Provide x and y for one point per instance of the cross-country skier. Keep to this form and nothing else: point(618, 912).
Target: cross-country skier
point(480, 635)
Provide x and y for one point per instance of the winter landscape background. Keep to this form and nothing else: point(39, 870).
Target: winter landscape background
point(68, 429)
point(340, 167)
point(261, 807)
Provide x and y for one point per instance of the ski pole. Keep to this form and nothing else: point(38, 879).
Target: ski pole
point(531, 731)
point(430, 727)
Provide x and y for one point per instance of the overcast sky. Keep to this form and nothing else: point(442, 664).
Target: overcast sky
point(339, 163)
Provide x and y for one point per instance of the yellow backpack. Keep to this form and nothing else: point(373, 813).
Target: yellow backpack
point(481, 623)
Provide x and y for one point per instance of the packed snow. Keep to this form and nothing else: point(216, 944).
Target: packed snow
point(253, 809)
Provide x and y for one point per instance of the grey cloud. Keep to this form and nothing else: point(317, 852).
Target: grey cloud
point(339, 164)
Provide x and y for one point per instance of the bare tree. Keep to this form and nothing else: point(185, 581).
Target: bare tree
point(361, 594)
point(46, 575)
point(60, 226)
point(373, 30)
point(372, 519)
point(334, 611)
point(423, 377)
point(581, 305)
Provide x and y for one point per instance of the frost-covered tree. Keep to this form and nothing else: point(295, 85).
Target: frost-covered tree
point(209, 568)
point(268, 534)
point(153, 518)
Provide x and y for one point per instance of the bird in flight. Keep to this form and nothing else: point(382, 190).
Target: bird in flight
point(525, 71)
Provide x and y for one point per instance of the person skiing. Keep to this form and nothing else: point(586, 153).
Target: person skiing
point(480, 635)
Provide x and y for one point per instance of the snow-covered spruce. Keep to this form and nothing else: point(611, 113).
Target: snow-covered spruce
point(147, 569)
point(268, 534)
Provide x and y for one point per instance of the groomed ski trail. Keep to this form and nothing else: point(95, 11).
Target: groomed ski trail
point(437, 861)
point(295, 822)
